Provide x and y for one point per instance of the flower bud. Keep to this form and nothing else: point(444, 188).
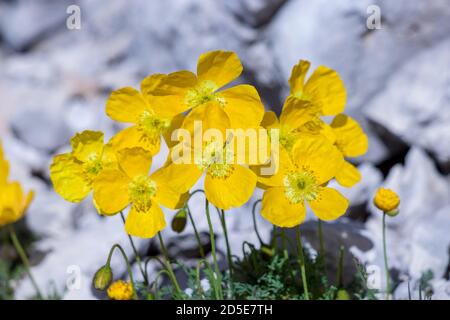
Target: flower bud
point(179, 221)
point(103, 278)
point(342, 294)
point(387, 201)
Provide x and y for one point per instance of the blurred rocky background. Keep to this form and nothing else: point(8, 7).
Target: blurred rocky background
point(55, 81)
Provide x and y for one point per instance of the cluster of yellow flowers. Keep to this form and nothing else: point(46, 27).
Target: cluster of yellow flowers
point(311, 151)
point(13, 201)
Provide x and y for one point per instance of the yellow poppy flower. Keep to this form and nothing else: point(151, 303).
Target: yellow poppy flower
point(183, 90)
point(351, 141)
point(324, 88)
point(120, 290)
point(13, 203)
point(115, 189)
point(73, 173)
point(227, 183)
point(131, 106)
point(294, 115)
point(387, 201)
point(302, 179)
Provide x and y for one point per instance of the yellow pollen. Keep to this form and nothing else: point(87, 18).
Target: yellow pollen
point(141, 191)
point(301, 186)
point(92, 167)
point(203, 93)
point(151, 125)
point(287, 138)
point(217, 170)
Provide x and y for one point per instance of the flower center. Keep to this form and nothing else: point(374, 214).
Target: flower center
point(220, 170)
point(92, 167)
point(287, 138)
point(141, 191)
point(151, 125)
point(203, 93)
point(215, 159)
point(301, 186)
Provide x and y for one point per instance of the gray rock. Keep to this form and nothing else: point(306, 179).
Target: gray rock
point(255, 12)
point(42, 130)
point(24, 23)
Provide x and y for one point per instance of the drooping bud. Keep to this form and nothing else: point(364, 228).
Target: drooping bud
point(103, 278)
point(179, 221)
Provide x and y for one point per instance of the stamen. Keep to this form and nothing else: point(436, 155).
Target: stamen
point(301, 186)
point(203, 93)
point(141, 191)
point(151, 125)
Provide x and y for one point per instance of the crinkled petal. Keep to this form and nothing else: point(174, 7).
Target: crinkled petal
point(178, 177)
point(69, 179)
point(243, 106)
point(317, 154)
point(149, 84)
point(272, 175)
point(132, 137)
point(134, 162)
point(351, 139)
point(111, 191)
point(329, 205)
point(270, 120)
point(348, 175)
point(298, 74)
point(277, 209)
point(165, 195)
point(126, 105)
point(231, 191)
point(220, 67)
point(326, 88)
point(296, 112)
point(175, 123)
point(145, 224)
point(87, 145)
point(169, 95)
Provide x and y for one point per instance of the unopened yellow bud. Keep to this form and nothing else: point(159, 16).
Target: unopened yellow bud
point(387, 201)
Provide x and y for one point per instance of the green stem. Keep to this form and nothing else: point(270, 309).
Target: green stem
point(302, 263)
point(217, 277)
point(284, 243)
point(25, 261)
point(168, 265)
point(386, 266)
point(340, 269)
point(230, 260)
point(127, 261)
point(255, 226)
point(321, 246)
point(136, 253)
point(197, 235)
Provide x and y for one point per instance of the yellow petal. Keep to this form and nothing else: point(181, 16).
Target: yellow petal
point(282, 165)
point(168, 96)
point(149, 84)
point(270, 120)
point(277, 209)
point(175, 123)
point(134, 161)
point(69, 179)
point(111, 191)
point(178, 177)
point(125, 105)
point(296, 112)
point(298, 74)
point(351, 139)
point(145, 224)
point(87, 145)
point(243, 106)
point(132, 137)
point(165, 195)
point(231, 191)
point(348, 175)
point(325, 88)
point(220, 67)
point(319, 155)
point(4, 172)
point(11, 199)
point(329, 205)
point(211, 116)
